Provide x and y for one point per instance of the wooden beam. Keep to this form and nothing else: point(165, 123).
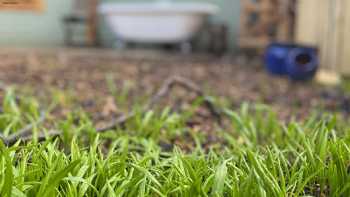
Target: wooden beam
point(22, 5)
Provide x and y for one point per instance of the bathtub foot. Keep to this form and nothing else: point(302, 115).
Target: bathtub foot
point(186, 47)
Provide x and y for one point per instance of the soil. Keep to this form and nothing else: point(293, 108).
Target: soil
point(84, 71)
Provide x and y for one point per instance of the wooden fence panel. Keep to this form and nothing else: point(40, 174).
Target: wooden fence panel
point(325, 24)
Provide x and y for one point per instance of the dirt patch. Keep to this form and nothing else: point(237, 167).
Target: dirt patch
point(85, 72)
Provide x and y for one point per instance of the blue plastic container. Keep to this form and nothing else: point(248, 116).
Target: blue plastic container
point(276, 56)
point(298, 62)
point(302, 63)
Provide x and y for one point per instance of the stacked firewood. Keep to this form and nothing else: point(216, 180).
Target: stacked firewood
point(264, 21)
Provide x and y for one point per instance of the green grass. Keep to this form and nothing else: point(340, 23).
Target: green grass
point(158, 154)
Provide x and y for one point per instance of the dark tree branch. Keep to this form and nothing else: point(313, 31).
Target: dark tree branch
point(25, 132)
point(188, 85)
point(11, 140)
point(164, 90)
point(120, 121)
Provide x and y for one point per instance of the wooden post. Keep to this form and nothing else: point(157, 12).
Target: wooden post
point(93, 22)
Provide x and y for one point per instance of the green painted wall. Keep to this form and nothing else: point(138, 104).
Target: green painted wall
point(34, 28)
point(45, 29)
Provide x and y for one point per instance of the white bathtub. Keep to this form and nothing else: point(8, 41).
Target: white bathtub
point(156, 22)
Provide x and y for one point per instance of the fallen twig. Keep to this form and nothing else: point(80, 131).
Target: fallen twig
point(119, 121)
point(25, 134)
point(3, 87)
point(11, 140)
point(27, 130)
point(164, 90)
point(189, 85)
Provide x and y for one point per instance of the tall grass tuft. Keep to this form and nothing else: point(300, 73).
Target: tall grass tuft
point(257, 156)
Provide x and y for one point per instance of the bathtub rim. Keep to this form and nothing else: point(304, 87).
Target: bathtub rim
point(134, 8)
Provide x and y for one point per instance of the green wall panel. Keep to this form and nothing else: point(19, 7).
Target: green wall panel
point(26, 28)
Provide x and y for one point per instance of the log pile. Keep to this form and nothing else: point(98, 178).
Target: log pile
point(264, 21)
